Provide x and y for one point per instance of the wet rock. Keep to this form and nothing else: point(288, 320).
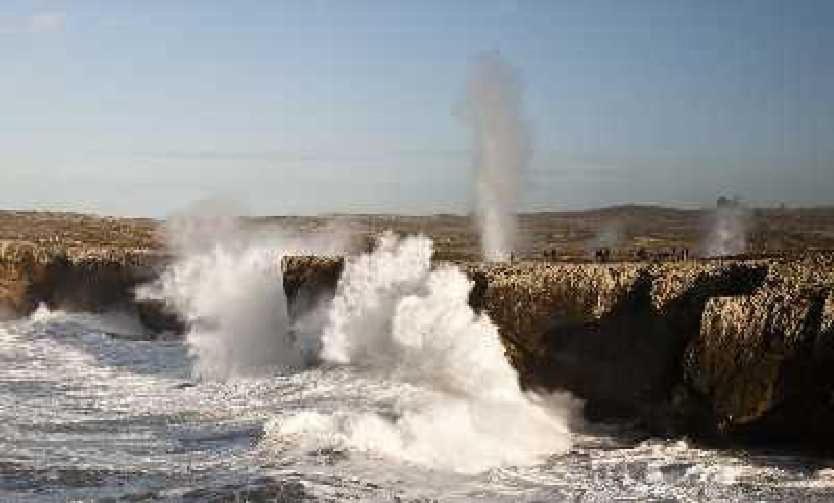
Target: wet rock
point(79, 279)
point(525, 300)
point(763, 363)
point(721, 348)
point(611, 334)
point(159, 317)
point(308, 280)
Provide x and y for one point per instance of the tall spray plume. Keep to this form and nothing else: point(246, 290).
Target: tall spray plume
point(729, 227)
point(493, 110)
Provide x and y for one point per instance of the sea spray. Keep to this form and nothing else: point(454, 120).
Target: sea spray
point(501, 151)
point(610, 235)
point(232, 301)
point(728, 228)
point(399, 319)
point(368, 295)
point(393, 319)
point(226, 284)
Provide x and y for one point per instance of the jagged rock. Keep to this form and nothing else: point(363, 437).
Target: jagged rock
point(612, 334)
point(525, 299)
point(734, 348)
point(763, 363)
point(309, 279)
point(79, 279)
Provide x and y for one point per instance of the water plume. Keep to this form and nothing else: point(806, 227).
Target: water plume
point(728, 228)
point(225, 282)
point(501, 151)
point(610, 235)
point(393, 318)
point(398, 318)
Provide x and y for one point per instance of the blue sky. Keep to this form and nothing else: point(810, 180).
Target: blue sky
point(142, 107)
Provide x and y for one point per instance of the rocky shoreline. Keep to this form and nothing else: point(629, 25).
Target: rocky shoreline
point(80, 279)
point(717, 349)
point(735, 349)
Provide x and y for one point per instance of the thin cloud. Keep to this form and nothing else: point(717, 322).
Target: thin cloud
point(44, 22)
point(39, 22)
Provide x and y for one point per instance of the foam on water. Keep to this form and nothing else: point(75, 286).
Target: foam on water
point(395, 316)
point(413, 399)
point(85, 414)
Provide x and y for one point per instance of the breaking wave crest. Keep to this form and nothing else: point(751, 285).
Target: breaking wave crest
point(396, 317)
point(226, 285)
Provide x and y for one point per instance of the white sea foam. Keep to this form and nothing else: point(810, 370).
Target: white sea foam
point(400, 319)
point(87, 416)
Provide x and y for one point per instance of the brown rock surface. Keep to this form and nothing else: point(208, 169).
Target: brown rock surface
point(79, 262)
point(727, 347)
point(613, 334)
point(81, 279)
point(31, 274)
point(764, 362)
point(309, 279)
point(737, 348)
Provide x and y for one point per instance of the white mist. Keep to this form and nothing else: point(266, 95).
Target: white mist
point(728, 229)
point(501, 148)
point(399, 319)
point(226, 283)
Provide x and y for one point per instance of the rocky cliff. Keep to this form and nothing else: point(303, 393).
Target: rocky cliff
point(79, 279)
point(738, 349)
point(724, 349)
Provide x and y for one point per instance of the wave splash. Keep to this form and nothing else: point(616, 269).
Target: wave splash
point(396, 317)
point(226, 284)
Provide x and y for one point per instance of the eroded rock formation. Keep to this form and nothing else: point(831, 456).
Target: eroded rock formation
point(309, 279)
point(739, 349)
point(87, 279)
point(764, 362)
point(730, 349)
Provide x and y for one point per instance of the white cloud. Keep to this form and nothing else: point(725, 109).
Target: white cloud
point(43, 22)
point(39, 22)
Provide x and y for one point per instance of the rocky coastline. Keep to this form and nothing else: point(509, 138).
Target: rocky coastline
point(736, 349)
point(81, 279)
point(723, 350)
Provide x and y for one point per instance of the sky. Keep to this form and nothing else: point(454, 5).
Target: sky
point(143, 107)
